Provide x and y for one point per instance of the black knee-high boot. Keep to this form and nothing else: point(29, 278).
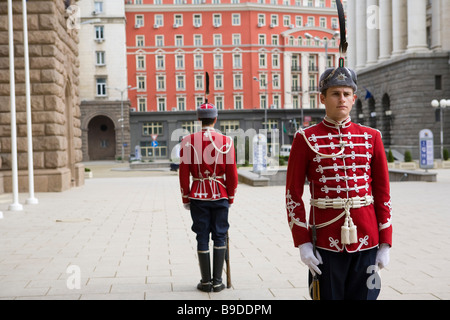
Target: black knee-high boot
point(218, 260)
point(205, 271)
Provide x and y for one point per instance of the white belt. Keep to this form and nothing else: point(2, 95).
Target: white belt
point(211, 178)
point(351, 203)
point(348, 230)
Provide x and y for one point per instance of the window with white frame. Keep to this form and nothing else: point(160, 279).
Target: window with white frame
point(160, 62)
point(286, 21)
point(198, 40)
point(274, 20)
point(179, 61)
point(159, 40)
point(262, 60)
point(99, 33)
point(217, 39)
point(159, 20)
point(276, 81)
point(161, 101)
point(218, 64)
point(236, 39)
point(218, 81)
point(219, 102)
point(160, 83)
point(178, 20)
point(179, 40)
point(262, 101)
point(181, 82)
point(198, 61)
point(142, 104)
point(140, 41)
point(262, 39)
point(311, 21)
point(237, 61)
point(198, 81)
point(100, 58)
point(217, 19)
point(197, 20)
point(139, 20)
point(181, 103)
point(237, 81)
point(140, 62)
point(261, 19)
point(141, 83)
point(298, 21)
point(198, 101)
point(236, 19)
point(275, 39)
point(276, 101)
point(101, 87)
point(238, 104)
point(323, 22)
point(276, 61)
point(98, 6)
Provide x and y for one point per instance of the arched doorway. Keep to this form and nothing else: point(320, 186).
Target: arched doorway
point(101, 139)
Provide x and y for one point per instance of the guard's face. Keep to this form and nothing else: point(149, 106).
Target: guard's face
point(338, 102)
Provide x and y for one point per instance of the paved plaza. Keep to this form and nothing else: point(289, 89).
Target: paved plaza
point(126, 235)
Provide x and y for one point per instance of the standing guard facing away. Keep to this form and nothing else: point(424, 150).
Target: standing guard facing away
point(345, 164)
point(210, 158)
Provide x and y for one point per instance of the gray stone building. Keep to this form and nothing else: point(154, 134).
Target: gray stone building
point(400, 50)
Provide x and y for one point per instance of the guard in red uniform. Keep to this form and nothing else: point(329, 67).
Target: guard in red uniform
point(208, 157)
point(346, 167)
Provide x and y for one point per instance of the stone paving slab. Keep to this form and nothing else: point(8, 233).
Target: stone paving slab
point(127, 236)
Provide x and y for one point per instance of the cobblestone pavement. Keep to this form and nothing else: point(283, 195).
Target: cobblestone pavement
point(126, 235)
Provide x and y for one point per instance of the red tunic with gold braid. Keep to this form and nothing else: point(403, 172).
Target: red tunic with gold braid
point(209, 157)
point(346, 165)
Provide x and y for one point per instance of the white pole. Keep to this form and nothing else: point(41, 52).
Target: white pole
point(31, 199)
point(15, 206)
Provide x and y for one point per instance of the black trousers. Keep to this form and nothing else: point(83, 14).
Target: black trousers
point(348, 276)
point(210, 217)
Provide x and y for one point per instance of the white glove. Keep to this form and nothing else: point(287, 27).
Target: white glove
point(382, 259)
point(308, 258)
point(187, 206)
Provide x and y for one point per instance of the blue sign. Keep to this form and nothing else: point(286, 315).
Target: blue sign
point(426, 149)
point(154, 144)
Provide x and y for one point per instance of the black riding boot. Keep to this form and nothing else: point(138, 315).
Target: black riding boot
point(205, 270)
point(218, 260)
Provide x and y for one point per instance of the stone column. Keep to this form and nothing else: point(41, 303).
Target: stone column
point(445, 24)
point(372, 26)
point(351, 33)
point(399, 27)
point(385, 30)
point(417, 26)
point(361, 35)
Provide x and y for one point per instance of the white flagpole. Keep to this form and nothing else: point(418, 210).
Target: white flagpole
point(31, 199)
point(15, 206)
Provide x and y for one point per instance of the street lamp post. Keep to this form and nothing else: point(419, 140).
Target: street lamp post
point(441, 105)
point(121, 120)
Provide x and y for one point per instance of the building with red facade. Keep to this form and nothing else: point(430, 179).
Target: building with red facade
point(264, 59)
